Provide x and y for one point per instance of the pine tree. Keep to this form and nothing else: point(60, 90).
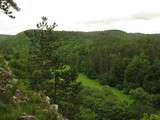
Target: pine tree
point(48, 73)
point(42, 53)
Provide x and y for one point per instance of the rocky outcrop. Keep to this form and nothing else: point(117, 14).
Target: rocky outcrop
point(27, 117)
point(5, 76)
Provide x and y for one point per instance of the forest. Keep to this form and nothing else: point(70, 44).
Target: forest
point(46, 74)
point(101, 75)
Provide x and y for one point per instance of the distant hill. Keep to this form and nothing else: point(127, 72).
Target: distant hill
point(71, 39)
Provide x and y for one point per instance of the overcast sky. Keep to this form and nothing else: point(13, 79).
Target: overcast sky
point(86, 15)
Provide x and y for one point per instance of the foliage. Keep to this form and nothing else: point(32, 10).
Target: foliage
point(135, 72)
point(152, 79)
point(5, 5)
point(47, 73)
point(65, 92)
point(101, 102)
point(140, 95)
point(42, 54)
point(6, 79)
point(104, 105)
point(11, 110)
point(155, 101)
point(113, 59)
point(142, 103)
point(151, 117)
point(35, 106)
point(87, 114)
point(94, 84)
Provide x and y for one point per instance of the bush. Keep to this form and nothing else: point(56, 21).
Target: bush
point(155, 100)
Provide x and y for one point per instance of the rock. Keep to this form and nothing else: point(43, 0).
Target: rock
point(27, 117)
point(48, 100)
point(55, 107)
point(5, 77)
point(45, 110)
point(19, 97)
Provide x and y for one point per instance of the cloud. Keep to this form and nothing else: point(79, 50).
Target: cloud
point(102, 21)
point(145, 16)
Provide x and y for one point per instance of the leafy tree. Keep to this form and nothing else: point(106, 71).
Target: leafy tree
point(104, 105)
point(155, 101)
point(119, 65)
point(142, 102)
point(87, 114)
point(18, 66)
point(140, 95)
point(152, 79)
point(135, 72)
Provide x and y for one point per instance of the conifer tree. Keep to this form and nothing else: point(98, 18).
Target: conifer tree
point(48, 73)
point(42, 53)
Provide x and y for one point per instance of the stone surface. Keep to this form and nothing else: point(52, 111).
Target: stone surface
point(19, 97)
point(27, 117)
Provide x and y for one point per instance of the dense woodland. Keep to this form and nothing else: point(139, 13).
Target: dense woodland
point(101, 75)
point(50, 61)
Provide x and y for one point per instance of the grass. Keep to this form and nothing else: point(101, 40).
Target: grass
point(96, 85)
point(89, 82)
point(28, 108)
point(123, 97)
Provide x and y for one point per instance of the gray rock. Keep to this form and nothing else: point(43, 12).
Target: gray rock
point(27, 117)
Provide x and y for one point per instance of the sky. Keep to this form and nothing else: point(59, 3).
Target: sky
point(86, 15)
